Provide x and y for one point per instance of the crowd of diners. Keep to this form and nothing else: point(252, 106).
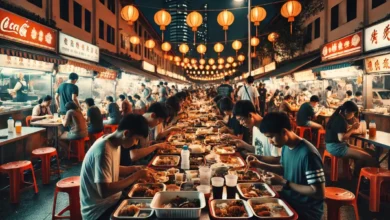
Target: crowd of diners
point(262, 131)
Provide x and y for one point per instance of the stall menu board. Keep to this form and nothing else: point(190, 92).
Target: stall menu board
point(25, 63)
point(16, 28)
point(258, 71)
point(377, 36)
point(111, 75)
point(346, 46)
point(270, 67)
point(307, 75)
point(148, 67)
point(378, 64)
point(74, 47)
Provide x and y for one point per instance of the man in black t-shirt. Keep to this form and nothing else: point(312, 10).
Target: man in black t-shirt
point(262, 98)
point(225, 89)
point(67, 92)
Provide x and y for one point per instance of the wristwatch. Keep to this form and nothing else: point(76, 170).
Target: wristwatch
point(286, 185)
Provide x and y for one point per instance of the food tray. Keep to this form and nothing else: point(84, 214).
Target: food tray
point(177, 152)
point(164, 197)
point(188, 186)
point(115, 215)
point(226, 153)
point(156, 158)
point(219, 201)
point(163, 186)
point(268, 188)
point(196, 166)
point(240, 161)
point(197, 148)
point(256, 201)
point(249, 181)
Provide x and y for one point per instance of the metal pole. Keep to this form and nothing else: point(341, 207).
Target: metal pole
point(249, 39)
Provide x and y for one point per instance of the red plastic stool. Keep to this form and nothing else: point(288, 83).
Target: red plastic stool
point(335, 198)
point(16, 177)
point(80, 148)
point(45, 154)
point(334, 166)
point(301, 131)
point(94, 137)
point(321, 133)
point(70, 185)
point(112, 128)
point(376, 176)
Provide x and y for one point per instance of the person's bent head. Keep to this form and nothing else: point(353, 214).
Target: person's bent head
point(165, 83)
point(122, 97)
point(329, 88)
point(287, 87)
point(250, 80)
point(314, 100)
point(156, 114)
point(349, 93)
point(226, 106)
point(174, 103)
point(143, 85)
point(130, 98)
point(131, 129)
point(45, 101)
point(73, 77)
point(137, 97)
point(90, 102)
point(245, 113)
point(277, 127)
point(109, 99)
point(71, 106)
point(288, 98)
point(358, 95)
point(348, 110)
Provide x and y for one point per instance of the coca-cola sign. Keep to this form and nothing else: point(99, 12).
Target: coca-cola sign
point(22, 30)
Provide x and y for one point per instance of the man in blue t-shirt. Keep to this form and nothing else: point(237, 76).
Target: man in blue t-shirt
point(225, 89)
point(306, 114)
point(303, 177)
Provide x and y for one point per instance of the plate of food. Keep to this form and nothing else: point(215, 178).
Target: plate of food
point(224, 150)
point(230, 209)
point(175, 151)
point(232, 161)
point(161, 176)
point(133, 209)
point(196, 161)
point(192, 174)
point(203, 131)
point(166, 161)
point(212, 139)
point(255, 190)
point(248, 176)
point(197, 148)
point(146, 190)
point(270, 208)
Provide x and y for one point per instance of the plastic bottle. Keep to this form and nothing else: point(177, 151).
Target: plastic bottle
point(364, 126)
point(185, 158)
point(372, 129)
point(11, 125)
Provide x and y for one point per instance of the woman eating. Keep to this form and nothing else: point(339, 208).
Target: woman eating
point(75, 120)
point(42, 110)
point(94, 117)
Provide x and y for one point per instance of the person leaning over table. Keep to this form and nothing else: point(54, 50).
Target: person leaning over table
point(338, 133)
point(102, 178)
point(125, 105)
point(67, 92)
point(114, 115)
point(306, 114)
point(139, 104)
point(94, 117)
point(131, 100)
point(246, 114)
point(300, 167)
point(75, 120)
point(42, 110)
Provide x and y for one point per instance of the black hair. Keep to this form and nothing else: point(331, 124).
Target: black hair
point(73, 76)
point(304, 89)
point(130, 98)
point(275, 122)
point(226, 78)
point(243, 108)
point(358, 93)
point(250, 79)
point(329, 88)
point(314, 98)
point(287, 97)
point(166, 83)
point(174, 103)
point(348, 106)
point(90, 102)
point(158, 86)
point(173, 86)
point(71, 106)
point(110, 98)
point(159, 109)
point(349, 93)
point(217, 98)
point(137, 96)
point(45, 99)
point(181, 95)
point(143, 85)
point(226, 104)
point(287, 87)
point(122, 97)
point(161, 83)
point(136, 124)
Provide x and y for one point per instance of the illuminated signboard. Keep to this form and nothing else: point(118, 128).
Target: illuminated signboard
point(377, 36)
point(25, 63)
point(148, 67)
point(346, 46)
point(378, 64)
point(74, 47)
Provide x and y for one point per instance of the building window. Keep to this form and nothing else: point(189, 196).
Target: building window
point(77, 14)
point(37, 3)
point(101, 29)
point(334, 17)
point(376, 3)
point(87, 16)
point(317, 28)
point(309, 31)
point(351, 10)
point(64, 10)
point(110, 35)
point(111, 6)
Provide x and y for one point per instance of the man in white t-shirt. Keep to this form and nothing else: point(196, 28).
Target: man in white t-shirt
point(100, 186)
point(248, 92)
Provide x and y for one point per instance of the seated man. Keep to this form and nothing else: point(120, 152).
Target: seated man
point(306, 114)
point(246, 114)
point(114, 115)
point(100, 184)
point(300, 165)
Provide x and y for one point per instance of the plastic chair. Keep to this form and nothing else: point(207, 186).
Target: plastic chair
point(321, 133)
point(301, 131)
point(79, 146)
point(112, 128)
point(16, 177)
point(376, 176)
point(45, 154)
point(28, 120)
point(70, 185)
point(94, 137)
point(335, 198)
point(334, 165)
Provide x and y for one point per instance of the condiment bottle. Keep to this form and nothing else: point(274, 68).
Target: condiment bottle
point(11, 125)
point(185, 158)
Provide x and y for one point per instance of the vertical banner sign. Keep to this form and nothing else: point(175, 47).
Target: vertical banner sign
point(377, 36)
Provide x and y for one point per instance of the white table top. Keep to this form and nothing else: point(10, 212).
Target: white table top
point(13, 137)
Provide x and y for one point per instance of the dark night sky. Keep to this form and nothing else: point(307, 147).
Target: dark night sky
point(238, 30)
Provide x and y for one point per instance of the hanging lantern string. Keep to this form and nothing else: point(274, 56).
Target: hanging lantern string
point(241, 39)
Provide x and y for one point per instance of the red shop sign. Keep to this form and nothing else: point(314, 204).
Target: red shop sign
point(22, 30)
point(346, 46)
point(111, 75)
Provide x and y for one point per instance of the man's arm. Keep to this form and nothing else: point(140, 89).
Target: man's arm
point(268, 159)
point(137, 154)
point(57, 98)
point(274, 168)
point(107, 189)
point(125, 171)
point(75, 100)
point(316, 191)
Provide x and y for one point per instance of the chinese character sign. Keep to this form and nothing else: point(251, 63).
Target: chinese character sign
point(346, 46)
point(378, 64)
point(377, 36)
point(74, 47)
point(111, 75)
point(22, 30)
